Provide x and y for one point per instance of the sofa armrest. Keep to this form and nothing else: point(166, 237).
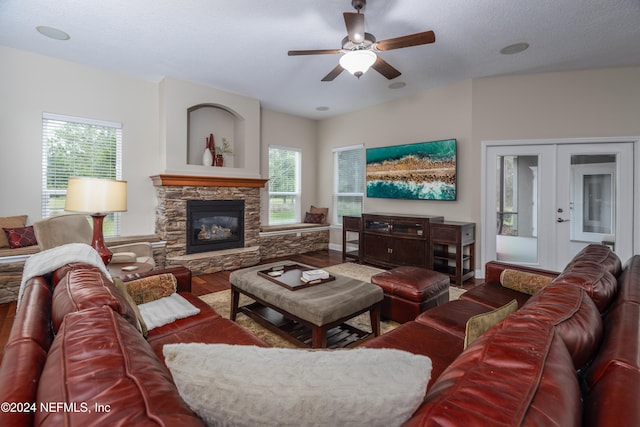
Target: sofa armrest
point(493, 269)
point(182, 274)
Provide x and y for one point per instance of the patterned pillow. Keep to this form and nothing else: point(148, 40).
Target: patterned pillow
point(20, 237)
point(151, 288)
point(311, 218)
point(481, 323)
point(10, 222)
point(323, 211)
point(521, 281)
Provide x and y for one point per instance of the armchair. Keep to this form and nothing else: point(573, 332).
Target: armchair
point(75, 228)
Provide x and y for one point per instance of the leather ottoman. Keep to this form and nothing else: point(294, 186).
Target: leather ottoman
point(408, 291)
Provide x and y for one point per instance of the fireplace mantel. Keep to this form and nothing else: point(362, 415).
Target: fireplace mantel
point(163, 180)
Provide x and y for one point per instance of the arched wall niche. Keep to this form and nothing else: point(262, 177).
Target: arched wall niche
point(222, 122)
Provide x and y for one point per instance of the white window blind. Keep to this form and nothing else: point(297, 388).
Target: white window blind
point(74, 146)
point(349, 176)
point(284, 185)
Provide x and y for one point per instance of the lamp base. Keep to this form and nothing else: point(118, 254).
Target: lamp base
point(97, 241)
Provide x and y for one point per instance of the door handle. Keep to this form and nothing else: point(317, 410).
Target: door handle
point(562, 220)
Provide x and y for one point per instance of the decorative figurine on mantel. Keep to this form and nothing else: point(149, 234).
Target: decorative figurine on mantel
point(207, 156)
point(220, 151)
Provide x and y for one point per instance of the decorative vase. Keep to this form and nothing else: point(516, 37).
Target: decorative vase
point(219, 160)
point(207, 158)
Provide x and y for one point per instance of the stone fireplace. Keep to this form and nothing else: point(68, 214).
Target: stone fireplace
point(175, 192)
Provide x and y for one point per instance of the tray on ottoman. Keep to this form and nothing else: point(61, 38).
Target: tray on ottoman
point(291, 276)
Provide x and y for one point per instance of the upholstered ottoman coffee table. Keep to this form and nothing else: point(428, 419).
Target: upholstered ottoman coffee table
point(408, 291)
point(310, 317)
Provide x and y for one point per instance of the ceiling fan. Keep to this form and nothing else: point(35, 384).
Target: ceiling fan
point(359, 48)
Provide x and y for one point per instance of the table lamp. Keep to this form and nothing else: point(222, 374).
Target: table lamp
point(97, 197)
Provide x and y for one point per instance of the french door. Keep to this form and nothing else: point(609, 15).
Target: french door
point(545, 202)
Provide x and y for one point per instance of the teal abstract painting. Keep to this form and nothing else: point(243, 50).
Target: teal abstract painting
point(425, 170)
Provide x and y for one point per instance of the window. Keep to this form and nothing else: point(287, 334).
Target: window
point(348, 189)
point(284, 185)
point(73, 146)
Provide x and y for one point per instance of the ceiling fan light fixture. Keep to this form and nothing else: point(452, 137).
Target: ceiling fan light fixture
point(357, 62)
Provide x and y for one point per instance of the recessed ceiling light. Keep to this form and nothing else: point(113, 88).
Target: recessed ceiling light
point(322, 108)
point(397, 85)
point(514, 48)
point(52, 33)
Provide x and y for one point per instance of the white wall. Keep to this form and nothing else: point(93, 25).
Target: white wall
point(571, 104)
point(32, 84)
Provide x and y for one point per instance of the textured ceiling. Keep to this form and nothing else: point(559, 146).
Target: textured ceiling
point(241, 46)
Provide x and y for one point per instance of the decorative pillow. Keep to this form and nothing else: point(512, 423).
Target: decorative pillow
point(323, 211)
point(480, 323)
point(528, 283)
point(151, 288)
point(20, 237)
point(311, 218)
point(142, 326)
point(246, 385)
point(10, 222)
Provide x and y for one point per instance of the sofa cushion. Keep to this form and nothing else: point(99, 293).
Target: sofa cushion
point(142, 326)
point(599, 254)
point(20, 237)
point(494, 295)
point(522, 281)
point(82, 289)
point(151, 288)
point(481, 323)
point(620, 345)
point(518, 373)
point(574, 315)
point(451, 317)
point(10, 222)
point(296, 387)
point(100, 360)
point(594, 278)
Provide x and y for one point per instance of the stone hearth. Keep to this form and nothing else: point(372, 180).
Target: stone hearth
point(173, 191)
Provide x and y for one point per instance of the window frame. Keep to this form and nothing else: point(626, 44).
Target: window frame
point(337, 218)
point(48, 128)
point(296, 194)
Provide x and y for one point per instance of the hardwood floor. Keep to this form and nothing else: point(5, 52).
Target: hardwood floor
point(204, 284)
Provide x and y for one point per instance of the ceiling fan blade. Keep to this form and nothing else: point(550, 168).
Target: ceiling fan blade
point(406, 41)
point(355, 26)
point(314, 52)
point(386, 69)
point(333, 73)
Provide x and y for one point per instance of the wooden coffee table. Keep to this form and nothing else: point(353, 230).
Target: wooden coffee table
point(312, 316)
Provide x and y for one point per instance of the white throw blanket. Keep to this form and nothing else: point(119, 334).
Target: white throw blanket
point(47, 261)
point(166, 310)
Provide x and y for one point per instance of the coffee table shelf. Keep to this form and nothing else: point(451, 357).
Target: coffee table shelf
point(341, 336)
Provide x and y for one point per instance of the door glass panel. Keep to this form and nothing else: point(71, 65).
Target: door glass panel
point(517, 209)
point(593, 198)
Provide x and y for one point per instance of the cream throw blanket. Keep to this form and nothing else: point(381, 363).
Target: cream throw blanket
point(47, 261)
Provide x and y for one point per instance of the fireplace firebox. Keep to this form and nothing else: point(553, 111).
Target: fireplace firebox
point(214, 225)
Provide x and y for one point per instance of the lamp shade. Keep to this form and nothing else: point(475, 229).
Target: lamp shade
point(357, 62)
point(96, 195)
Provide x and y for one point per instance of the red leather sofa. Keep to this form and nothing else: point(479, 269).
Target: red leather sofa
point(98, 363)
point(569, 356)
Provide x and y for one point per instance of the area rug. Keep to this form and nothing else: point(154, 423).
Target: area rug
point(221, 303)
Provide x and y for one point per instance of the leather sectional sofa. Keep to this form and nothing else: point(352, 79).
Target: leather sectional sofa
point(568, 356)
